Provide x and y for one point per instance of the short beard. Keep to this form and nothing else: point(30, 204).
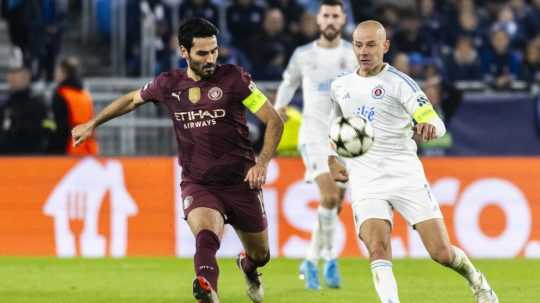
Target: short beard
point(199, 71)
point(331, 37)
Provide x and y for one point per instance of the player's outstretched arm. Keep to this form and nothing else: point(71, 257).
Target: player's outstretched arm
point(256, 175)
point(118, 107)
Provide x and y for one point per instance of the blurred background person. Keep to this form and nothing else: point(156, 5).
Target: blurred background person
point(199, 8)
point(54, 13)
point(23, 115)
point(271, 48)
point(292, 12)
point(463, 63)
point(71, 105)
point(531, 66)
point(500, 64)
point(244, 20)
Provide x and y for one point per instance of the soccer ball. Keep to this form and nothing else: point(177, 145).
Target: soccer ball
point(351, 136)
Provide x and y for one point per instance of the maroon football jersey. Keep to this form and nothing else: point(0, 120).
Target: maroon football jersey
point(209, 121)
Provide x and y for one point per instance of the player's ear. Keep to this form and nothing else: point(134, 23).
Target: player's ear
point(184, 52)
point(386, 46)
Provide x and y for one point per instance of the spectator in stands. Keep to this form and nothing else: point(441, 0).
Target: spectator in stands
point(500, 65)
point(401, 62)
point(416, 65)
point(431, 21)
point(532, 20)
point(308, 29)
point(271, 48)
point(26, 30)
point(468, 26)
point(244, 20)
point(532, 62)
point(506, 22)
point(54, 13)
point(229, 54)
point(23, 116)
point(364, 10)
point(199, 8)
point(161, 13)
point(389, 16)
point(410, 37)
point(292, 12)
point(71, 105)
point(463, 63)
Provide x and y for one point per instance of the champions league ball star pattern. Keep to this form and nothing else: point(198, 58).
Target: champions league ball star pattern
point(351, 136)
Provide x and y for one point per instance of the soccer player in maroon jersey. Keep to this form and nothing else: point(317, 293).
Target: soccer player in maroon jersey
point(221, 179)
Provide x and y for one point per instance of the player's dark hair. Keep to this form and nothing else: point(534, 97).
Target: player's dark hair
point(195, 28)
point(333, 3)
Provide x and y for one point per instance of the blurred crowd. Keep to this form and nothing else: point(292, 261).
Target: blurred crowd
point(441, 43)
point(32, 122)
point(496, 42)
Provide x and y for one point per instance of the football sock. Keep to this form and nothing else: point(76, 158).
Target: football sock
point(249, 265)
point(314, 248)
point(207, 244)
point(327, 221)
point(463, 266)
point(384, 281)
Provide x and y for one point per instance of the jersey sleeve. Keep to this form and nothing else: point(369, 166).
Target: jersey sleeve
point(334, 113)
point(249, 94)
point(156, 89)
point(418, 106)
point(292, 77)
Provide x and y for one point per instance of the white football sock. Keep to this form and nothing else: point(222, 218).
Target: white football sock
point(328, 220)
point(314, 248)
point(463, 266)
point(384, 281)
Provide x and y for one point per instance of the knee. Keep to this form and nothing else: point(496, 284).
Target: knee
point(379, 250)
point(330, 201)
point(260, 258)
point(442, 255)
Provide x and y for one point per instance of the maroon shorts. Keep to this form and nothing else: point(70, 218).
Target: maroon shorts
point(240, 206)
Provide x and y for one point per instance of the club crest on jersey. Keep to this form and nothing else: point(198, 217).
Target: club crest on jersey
point(378, 92)
point(215, 93)
point(194, 94)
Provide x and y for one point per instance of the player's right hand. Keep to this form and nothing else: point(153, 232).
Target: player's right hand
point(338, 171)
point(82, 132)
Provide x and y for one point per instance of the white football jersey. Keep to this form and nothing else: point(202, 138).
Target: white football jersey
point(389, 100)
point(315, 68)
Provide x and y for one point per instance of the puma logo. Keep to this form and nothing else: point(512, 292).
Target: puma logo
point(177, 96)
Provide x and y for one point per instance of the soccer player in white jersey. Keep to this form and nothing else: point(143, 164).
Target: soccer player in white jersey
point(314, 66)
point(390, 175)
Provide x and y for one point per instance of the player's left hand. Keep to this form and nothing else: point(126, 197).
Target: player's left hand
point(256, 175)
point(425, 131)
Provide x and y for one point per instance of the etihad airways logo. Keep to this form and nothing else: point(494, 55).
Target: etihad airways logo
point(199, 118)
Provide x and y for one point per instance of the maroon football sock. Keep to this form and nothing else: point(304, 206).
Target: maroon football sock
point(249, 265)
point(207, 244)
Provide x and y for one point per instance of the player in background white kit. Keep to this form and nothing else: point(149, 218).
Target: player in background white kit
point(390, 175)
point(315, 66)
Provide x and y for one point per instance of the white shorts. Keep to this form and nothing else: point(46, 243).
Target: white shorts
point(315, 157)
point(414, 204)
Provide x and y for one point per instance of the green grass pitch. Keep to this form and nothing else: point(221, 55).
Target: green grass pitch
point(168, 280)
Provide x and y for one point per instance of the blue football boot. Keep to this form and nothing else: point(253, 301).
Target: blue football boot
point(310, 274)
point(331, 274)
